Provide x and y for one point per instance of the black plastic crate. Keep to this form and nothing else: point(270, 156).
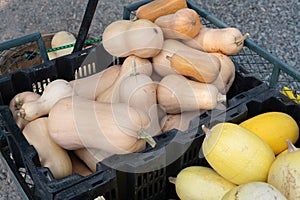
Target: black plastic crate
point(38, 182)
point(135, 185)
point(142, 175)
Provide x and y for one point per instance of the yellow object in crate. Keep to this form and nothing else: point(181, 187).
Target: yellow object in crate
point(289, 93)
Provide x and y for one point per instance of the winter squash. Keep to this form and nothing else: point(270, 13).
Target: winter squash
point(141, 37)
point(226, 76)
point(138, 90)
point(62, 38)
point(157, 8)
point(204, 68)
point(161, 63)
point(177, 94)
point(254, 190)
point(142, 66)
point(230, 40)
point(52, 93)
point(184, 24)
point(91, 157)
point(179, 121)
point(78, 166)
point(76, 122)
point(236, 153)
point(274, 128)
point(16, 103)
point(50, 154)
point(92, 86)
point(284, 173)
point(200, 183)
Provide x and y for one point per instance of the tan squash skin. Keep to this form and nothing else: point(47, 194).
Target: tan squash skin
point(62, 38)
point(91, 156)
point(90, 87)
point(111, 94)
point(114, 35)
point(179, 121)
point(16, 104)
point(53, 92)
point(177, 94)
point(157, 8)
point(204, 68)
point(50, 154)
point(138, 90)
point(141, 37)
point(184, 24)
point(227, 73)
point(161, 63)
point(78, 166)
point(230, 40)
point(76, 122)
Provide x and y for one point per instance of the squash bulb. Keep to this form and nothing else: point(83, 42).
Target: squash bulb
point(200, 183)
point(254, 190)
point(274, 128)
point(284, 173)
point(236, 153)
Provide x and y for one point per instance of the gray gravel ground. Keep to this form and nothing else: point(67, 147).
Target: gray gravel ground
point(272, 24)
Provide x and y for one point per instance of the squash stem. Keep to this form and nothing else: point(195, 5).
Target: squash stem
point(206, 130)
point(18, 103)
point(17, 100)
point(135, 18)
point(172, 180)
point(221, 98)
point(291, 147)
point(21, 113)
point(169, 57)
point(241, 40)
point(134, 72)
point(143, 135)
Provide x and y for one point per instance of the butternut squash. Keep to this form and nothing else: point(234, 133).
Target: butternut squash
point(227, 73)
point(236, 153)
point(274, 128)
point(142, 38)
point(92, 156)
point(200, 183)
point(53, 92)
point(62, 38)
point(204, 68)
point(76, 122)
point(156, 78)
point(157, 8)
point(138, 90)
point(16, 103)
point(183, 24)
point(50, 154)
point(52, 55)
point(177, 94)
point(78, 166)
point(179, 121)
point(284, 173)
point(91, 86)
point(229, 40)
point(161, 63)
point(111, 94)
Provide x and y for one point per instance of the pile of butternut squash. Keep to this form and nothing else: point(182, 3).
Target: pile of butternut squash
point(173, 70)
point(255, 159)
